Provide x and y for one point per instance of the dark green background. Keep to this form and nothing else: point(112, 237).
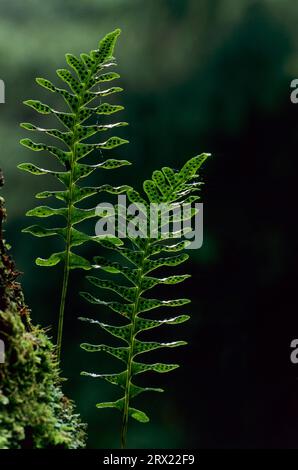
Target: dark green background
point(199, 75)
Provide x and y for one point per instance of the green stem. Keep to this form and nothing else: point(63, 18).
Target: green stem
point(69, 224)
point(66, 264)
point(131, 349)
point(67, 247)
point(62, 309)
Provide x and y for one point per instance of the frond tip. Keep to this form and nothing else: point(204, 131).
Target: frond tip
point(88, 69)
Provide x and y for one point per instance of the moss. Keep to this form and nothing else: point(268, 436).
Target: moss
point(34, 413)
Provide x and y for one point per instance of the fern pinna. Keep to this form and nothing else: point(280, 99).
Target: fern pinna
point(90, 73)
point(145, 256)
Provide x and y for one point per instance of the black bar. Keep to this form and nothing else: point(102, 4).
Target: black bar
point(137, 458)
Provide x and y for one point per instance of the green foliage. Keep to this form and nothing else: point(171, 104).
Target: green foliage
point(34, 413)
point(89, 73)
point(167, 187)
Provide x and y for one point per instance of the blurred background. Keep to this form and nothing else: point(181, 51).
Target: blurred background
point(199, 75)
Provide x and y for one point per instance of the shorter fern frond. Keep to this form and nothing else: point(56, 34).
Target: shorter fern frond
point(144, 255)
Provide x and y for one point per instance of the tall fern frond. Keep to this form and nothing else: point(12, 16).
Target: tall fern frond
point(88, 73)
point(145, 255)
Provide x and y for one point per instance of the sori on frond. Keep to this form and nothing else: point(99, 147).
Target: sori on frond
point(140, 257)
point(87, 79)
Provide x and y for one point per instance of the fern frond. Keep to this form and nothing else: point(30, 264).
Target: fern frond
point(144, 256)
point(87, 72)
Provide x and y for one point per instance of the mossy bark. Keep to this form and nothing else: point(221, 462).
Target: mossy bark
point(34, 413)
